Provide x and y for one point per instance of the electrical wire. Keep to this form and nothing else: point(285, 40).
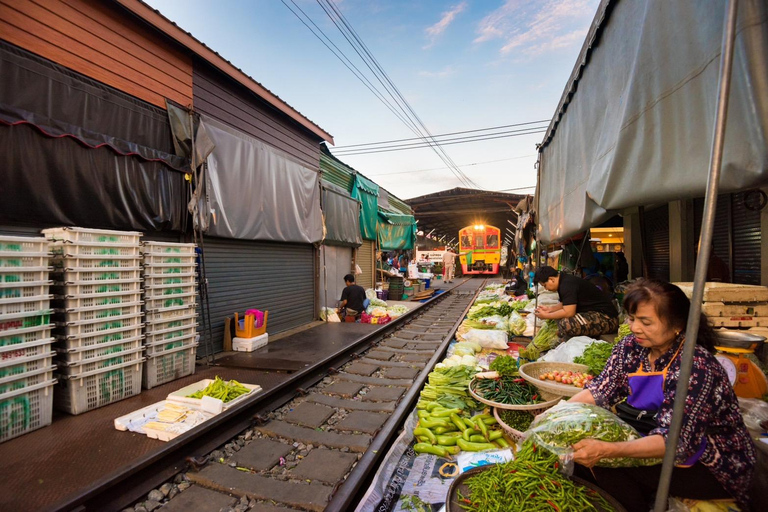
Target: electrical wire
point(463, 165)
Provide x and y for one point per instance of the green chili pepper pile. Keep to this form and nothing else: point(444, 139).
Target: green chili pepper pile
point(224, 391)
point(508, 390)
point(530, 482)
point(518, 420)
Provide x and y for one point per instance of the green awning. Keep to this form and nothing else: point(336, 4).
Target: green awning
point(396, 231)
point(367, 193)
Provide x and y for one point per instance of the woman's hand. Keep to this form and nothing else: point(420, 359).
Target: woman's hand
point(588, 452)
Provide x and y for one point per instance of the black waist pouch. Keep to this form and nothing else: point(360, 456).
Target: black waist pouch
point(641, 420)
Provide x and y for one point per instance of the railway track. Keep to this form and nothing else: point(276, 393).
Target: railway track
point(314, 448)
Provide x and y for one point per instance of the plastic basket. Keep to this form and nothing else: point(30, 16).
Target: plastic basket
point(105, 336)
point(26, 410)
point(158, 347)
point(95, 250)
point(78, 394)
point(111, 349)
point(85, 235)
point(18, 353)
point(22, 378)
point(172, 336)
point(167, 314)
point(15, 306)
point(186, 300)
point(102, 313)
point(91, 263)
point(168, 248)
point(12, 368)
point(97, 301)
point(22, 275)
point(110, 287)
point(117, 323)
point(180, 322)
point(28, 335)
point(166, 259)
point(22, 260)
point(160, 280)
point(165, 290)
point(16, 244)
point(112, 356)
point(24, 290)
point(170, 365)
point(169, 269)
point(11, 325)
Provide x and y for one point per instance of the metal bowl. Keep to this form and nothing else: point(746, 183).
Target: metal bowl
point(736, 339)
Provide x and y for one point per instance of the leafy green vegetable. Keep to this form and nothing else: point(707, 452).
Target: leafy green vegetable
point(624, 331)
point(413, 503)
point(505, 366)
point(544, 340)
point(449, 384)
point(595, 356)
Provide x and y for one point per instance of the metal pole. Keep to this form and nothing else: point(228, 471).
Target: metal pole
point(536, 200)
point(705, 247)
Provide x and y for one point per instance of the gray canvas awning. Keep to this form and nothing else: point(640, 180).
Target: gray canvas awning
point(634, 125)
point(257, 192)
point(342, 217)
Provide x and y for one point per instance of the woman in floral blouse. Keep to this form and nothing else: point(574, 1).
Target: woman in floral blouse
point(715, 455)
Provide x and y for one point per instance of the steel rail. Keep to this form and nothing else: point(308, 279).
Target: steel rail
point(705, 247)
point(348, 494)
point(114, 492)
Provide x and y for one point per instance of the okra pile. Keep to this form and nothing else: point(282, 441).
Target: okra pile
point(530, 482)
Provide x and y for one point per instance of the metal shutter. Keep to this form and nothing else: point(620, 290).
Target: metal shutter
point(746, 242)
point(721, 234)
point(278, 277)
point(365, 260)
point(657, 239)
point(338, 263)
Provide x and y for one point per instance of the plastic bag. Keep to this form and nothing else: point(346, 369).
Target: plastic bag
point(370, 293)
point(488, 338)
point(754, 411)
point(531, 323)
point(567, 423)
point(572, 348)
point(329, 315)
point(517, 324)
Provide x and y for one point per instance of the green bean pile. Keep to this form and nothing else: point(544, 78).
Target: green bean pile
point(529, 483)
point(518, 420)
point(508, 390)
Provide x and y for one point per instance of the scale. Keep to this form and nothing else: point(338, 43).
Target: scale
point(747, 379)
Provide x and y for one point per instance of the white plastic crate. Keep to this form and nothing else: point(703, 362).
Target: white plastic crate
point(169, 365)
point(105, 288)
point(91, 263)
point(15, 306)
point(21, 260)
point(184, 300)
point(16, 275)
point(12, 368)
point(155, 326)
point(171, 333)
point(26, 409)
point(97, 301)
point(165, 290)
point(159, 346)
point(78, 394)
point(101, 313)
point(169, 269)
point(167, 314)
point(97, 251)
point(107, 326)
point(117, 357)
point(167, 259)
point(11, 325)
point(26, 335)
point(24, 290)
point(157, 280)
point(25, 378)
point(105, 336)
point(168, 248)
point(85, 354)
point(21, 352)
point(86, 235)
point(16, 244)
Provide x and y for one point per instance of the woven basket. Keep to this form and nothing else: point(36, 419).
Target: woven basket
point(550, 399)
point(531, 372)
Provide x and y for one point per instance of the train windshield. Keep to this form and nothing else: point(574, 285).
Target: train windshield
point(479, 241)
point(466, 241)
point(492, 241)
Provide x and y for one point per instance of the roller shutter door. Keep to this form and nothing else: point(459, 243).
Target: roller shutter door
point(721, 234)
point(338, 263)
point(364, 260)
point(278, 277)
point(657, 239)
point(746, 242)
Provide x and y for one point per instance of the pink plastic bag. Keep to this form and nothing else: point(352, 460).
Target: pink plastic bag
point(258, 316)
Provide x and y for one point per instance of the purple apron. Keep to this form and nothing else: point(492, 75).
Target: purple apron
point(646, 392)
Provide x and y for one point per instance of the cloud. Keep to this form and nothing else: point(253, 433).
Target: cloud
point(446, 71)
point(436, 30)
point(534, 27)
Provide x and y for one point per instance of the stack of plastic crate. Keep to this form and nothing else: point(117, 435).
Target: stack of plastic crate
point(170, 298)
point(26, 356)
point(98, 316)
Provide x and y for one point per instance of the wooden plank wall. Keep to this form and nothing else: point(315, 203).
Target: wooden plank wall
point(230, 103)
point(98, 40)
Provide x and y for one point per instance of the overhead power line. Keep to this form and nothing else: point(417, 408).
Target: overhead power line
point(462, 165)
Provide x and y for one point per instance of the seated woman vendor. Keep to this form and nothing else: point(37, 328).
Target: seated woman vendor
point(716, 457)
point(583, 309)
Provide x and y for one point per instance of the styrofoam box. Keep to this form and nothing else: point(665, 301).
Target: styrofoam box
point(169, 365)
point(28, 409)
point(77, 394)
point(93, 235)
point(249, 344)
point(95, 250)
point(182, 395)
